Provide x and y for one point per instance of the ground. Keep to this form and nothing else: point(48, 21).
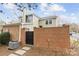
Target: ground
point(4, 50)
point(46, 52)
point(31, 51)
point(37, 52)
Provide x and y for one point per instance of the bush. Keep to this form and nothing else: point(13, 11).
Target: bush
point(4, 38)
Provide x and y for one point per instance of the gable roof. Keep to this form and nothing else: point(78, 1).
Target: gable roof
point(48, 17)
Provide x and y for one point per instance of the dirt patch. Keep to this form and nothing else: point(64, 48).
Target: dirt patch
point(4, 50)
point(47, 52)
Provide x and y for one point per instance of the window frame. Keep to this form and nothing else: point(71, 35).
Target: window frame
point(46, 22)
point(50, 21)
point(28, 20)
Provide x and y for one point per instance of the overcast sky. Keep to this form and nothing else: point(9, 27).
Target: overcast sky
point(69, 12)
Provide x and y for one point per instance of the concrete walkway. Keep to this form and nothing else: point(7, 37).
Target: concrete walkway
point(20, 52)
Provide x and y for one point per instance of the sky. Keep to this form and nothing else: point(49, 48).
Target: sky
point(68, 12)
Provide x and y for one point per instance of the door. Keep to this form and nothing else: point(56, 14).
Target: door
point(29, 37)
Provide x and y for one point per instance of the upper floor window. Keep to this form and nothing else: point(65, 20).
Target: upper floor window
point(26, 18)
point(48, 21)
point(29, 18)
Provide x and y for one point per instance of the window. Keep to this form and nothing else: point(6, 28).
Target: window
point(50, 21)
point(29, 18)
point(26, 18)
point(46, 21)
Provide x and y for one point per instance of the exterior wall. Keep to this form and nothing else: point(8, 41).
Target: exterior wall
point(35, 21)
point(23, 18)
point(55, 22)
point(30, 26)
point(26, 12)
point(43, 23)
point(14, 31)
point(17, 33)
point(58, 22)
point(23, 39)
point(55, 37)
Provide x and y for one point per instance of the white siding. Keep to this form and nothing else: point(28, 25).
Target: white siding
point(35, 21)
point(58, 22)
point(30, 26)
point(43, 23)
point(24, 15)
point(26, 12)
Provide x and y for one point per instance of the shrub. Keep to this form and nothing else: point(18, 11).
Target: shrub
point(4, 38)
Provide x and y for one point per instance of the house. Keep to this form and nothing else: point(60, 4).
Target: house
point(30, 20)
point(32, 29)
point(74, 28)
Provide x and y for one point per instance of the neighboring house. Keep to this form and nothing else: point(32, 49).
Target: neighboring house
point(74, 28)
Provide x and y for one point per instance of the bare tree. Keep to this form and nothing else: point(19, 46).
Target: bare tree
point(20, 8)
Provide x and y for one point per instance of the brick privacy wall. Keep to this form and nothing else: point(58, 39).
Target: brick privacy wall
point(23, 37)
point(55, 37)
point(14, 31)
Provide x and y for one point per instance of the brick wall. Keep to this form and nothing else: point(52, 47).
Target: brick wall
point(55, 37)
point(17, 33)
point(23, 34)
point(14, 31)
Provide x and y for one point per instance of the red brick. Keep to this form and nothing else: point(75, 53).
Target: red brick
point(52, 37)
